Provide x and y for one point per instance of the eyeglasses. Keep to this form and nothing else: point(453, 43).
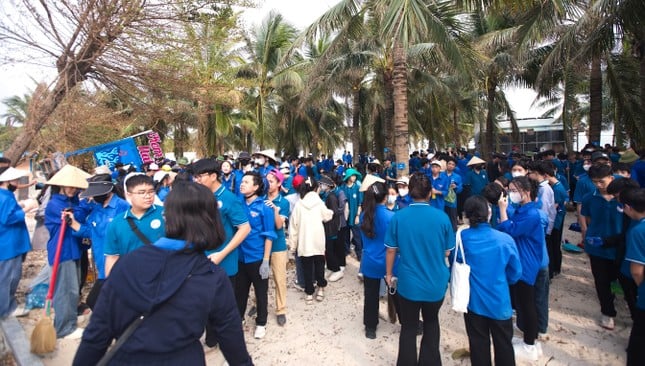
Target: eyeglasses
point(143, 193)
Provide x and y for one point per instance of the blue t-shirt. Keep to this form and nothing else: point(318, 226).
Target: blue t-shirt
point(494, 264)
point(280, 243)
point(14, 235)
point(605, 221)
point(262, 220)
point(459, 183)
point(477, 182)
point(636, 254)
point(71, 246)
point(638, 172)
point(584, 187)
point(526, 228)
point(373, 259)
point(233, 215)
point(354, 199)
point(96, 228)
point(422, 234)
point(561, 197)
point(121, 240)
point(441, 183)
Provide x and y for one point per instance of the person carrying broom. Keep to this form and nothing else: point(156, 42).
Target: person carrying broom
point(65, 188)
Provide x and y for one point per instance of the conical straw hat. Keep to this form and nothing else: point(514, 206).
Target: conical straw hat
point(476, 161)
point(70, 176)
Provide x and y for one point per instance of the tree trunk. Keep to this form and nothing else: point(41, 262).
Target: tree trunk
point(388, 115)
point(595, 102)
point(356, 114)
point(488, 145)
point(455, 127)
point(400, 98)
point(640, 141)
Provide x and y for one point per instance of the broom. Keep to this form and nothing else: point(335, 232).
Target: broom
point(43, 338)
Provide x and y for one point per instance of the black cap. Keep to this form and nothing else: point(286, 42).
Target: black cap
point(599, 155)
point(97, 189)
point(244, 155)
point(206, 165)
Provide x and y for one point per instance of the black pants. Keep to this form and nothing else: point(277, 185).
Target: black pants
point(249, 273)
point(555, 252)
point(344, 237)
point(84, 264)
point(452, 215)
point(604, 271)
point(409, 317)
point(371, 287)
point(211, 338)
point(314, 265)
point(630, 290)
point(480, 329)
point(635, 348)
point(461, 198)
point(335, 254)
point(525, 307)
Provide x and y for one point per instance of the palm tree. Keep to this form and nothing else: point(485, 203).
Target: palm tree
point(16, 113)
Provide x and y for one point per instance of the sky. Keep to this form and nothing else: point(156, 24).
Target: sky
point(16, 79)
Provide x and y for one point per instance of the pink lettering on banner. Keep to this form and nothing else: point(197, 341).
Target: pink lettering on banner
point(144, 152)
point(155, 144)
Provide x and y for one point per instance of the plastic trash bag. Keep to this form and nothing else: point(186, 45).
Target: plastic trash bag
point(36, 298)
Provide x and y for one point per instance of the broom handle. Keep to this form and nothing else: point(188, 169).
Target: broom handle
point(59, 248)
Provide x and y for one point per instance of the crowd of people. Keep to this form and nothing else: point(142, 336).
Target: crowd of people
point(178, 245)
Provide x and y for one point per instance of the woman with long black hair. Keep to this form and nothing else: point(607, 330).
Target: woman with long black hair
point(374, 222)
point(177, 289)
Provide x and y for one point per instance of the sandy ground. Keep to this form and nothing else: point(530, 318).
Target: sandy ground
point(331, 332)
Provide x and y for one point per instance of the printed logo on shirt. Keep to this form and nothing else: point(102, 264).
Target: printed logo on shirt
point(220, 204)
point(255, 214)
point(155, 224)
point(354, 195)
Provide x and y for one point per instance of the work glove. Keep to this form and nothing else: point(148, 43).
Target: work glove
point(264, 269)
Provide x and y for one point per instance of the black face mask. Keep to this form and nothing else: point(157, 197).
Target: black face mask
point(11, 187)
point(101, 199)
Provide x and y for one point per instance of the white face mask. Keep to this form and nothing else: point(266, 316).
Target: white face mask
point(403, 192)
point(391, 199)
point(247, 168)
point(516, 174)
point(515, 197)
point(586, 167)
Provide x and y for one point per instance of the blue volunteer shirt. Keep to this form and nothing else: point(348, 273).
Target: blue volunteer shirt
point(422, 235)
point(280, 243)
point(584, 187)
point(441, 183)
point(262, 221)
point(121, 240)
point(476, 181)
point(561, 197)
point(71, 247)
point(96, 228)
point(494, 264)
point(14, 235)
point(354, 199)
point(636, 254)
point(605, 221)
point(373, 259)
point(526, 228)
point(232, 214)
point(458, 181)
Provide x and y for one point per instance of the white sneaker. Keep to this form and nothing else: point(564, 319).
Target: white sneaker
point(335, 276)
point(320, 295)
point(76, 334)
point(526, 351)
point(342, 268)
point(607, 322)
point(260, 332)
point(538, 345)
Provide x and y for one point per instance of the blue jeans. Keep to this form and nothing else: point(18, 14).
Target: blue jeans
point(542, 299)
point(358, 242)
point(10, 273)
point(66, 298)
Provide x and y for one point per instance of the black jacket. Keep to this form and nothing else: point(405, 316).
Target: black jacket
point(184, 294)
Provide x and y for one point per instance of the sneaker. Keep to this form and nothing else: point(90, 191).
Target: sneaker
point(260, 332)
point(360, 276)
point(76, 334)
point(370, 333)
point(297, 286)
point(526, 351)
point(320, 295)
point(335, 276)
point(282, 320)
point(607, 322)
point(538, 345)
point(309, 299)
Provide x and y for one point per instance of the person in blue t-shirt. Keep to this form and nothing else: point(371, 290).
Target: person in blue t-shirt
point(600, 212)
point(494, 265)
point(457, 186)
point(634, 207)
point(255, 251)
point(403, 199)
point(14, 237)
point(525, 226)
point(476, 178)
point(374, 223)
point(561, 198)
point(440, 186)
point(423, 238)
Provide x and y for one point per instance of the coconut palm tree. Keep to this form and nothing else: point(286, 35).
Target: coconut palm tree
point(16, 113)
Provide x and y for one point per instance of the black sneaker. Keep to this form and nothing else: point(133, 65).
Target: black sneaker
point(370, 333)
point(282, 320)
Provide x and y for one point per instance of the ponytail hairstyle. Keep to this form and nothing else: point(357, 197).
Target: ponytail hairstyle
point(374, 195)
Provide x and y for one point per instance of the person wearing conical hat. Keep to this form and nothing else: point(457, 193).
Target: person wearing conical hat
point(476, 178)
point(14, 237)
point(264, 162)
point(65, 186)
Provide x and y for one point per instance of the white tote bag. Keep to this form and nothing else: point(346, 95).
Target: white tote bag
point(460, 279)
